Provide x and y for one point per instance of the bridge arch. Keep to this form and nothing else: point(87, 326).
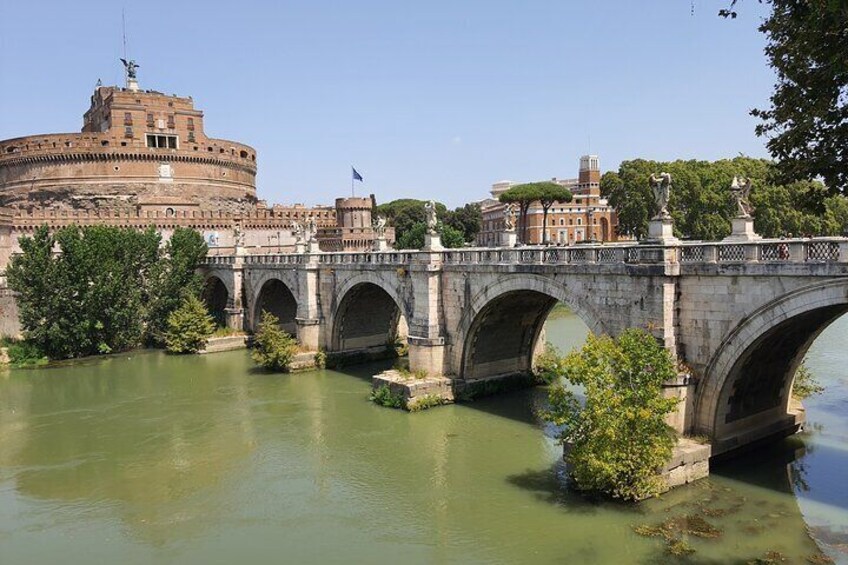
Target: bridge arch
point(498, 333)
point(745, 394)
point(276, 297)
point(218, 297)
point(370, 313)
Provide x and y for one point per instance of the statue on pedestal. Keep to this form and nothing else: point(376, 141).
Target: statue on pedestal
point(661, 186)
point(311, 228)
point(297, 229)
point(238, 236)
point(740, 189)
point(379, 226)
point(130, 67)
point(432, 221)
point(509, 218)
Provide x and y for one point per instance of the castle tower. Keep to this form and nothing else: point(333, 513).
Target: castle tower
point(590, 171)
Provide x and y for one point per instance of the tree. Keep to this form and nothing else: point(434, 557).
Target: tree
point(550, 194)
point(273, 348)
point(189, 326)
point(414, 237)
point(467, 219)
point(108, 289)
point(92, 296)
point(617, 439)
point(405, 213)
point(524, 195)
point(702, 207)
point(807, 123)
point(175, 274)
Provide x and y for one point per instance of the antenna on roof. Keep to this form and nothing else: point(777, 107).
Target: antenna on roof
point(124, 33)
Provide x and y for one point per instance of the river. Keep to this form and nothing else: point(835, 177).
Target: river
point(145, 457)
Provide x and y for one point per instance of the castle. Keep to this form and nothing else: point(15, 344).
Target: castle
point(143, 159)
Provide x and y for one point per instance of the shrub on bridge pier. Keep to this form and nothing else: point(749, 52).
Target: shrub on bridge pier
point(273, 348)
point(618, 439)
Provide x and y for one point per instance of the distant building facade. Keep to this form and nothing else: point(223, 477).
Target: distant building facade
point(588, 217)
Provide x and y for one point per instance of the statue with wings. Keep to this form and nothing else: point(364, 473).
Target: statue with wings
point(740, 189)
point(661, 186)
point(130, 67)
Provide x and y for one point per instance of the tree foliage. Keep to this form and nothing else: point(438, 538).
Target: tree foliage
point(175, 274)
point(807, 122)
point(414, 237)
point(407, 213)
point(273, 348)
point(702, 207)
point(618, 439)
point(188, 326)
point(523, 195)
point(97, 295)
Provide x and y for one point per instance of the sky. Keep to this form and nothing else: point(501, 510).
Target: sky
point(435, 99)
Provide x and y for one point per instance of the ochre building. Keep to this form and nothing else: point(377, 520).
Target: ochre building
point(588, 217)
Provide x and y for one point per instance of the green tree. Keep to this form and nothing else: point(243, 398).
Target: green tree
point(549, 194)
point(405, 213)
point(414, 237)
point(467, 219)
point(806, 122)
point(617, 438)
point(174, 275)
point(188, 326)
point(273, 348)
point(523, 195)
point(92, 296)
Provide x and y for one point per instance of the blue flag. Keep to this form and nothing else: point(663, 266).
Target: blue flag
point(356, 176)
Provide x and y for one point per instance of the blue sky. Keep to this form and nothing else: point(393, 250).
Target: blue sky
point(427, 99)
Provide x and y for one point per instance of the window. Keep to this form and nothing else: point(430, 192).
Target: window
point(171, 124)
point(191, 138)
point(162, 141)
point(150, 121)
point(191, 124)
point(128, 131)
point(579, 221)
point(562, 221)
point(127, 118)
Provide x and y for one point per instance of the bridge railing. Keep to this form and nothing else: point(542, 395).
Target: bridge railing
point(815, 250)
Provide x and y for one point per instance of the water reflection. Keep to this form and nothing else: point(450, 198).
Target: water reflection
point(204, 460)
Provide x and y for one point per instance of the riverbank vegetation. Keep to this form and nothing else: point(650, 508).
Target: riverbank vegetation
point(88, 290)
point(273, 348)
point(617, 439)
point(189, 326)
point(805, 384)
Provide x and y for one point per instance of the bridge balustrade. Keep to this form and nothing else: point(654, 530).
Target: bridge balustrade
point(817, 250)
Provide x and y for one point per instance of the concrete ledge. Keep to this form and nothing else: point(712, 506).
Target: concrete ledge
point(416, 392)
point(338, 359)
point(689, 462)
point(303, 361)
point(225, 343)
point(488, 386)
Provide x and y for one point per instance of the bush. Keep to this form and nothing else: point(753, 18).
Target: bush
point(805, 383)
point(548, 366)
point(188, 327)
point(25, 354)
point(617, 439)
point(384, 397)
point(273, 348)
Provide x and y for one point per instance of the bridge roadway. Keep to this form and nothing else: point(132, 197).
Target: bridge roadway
point(738, 317)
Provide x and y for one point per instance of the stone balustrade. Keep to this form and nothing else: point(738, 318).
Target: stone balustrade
point(815, 250)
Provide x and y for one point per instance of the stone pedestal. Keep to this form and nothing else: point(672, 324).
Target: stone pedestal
point(509, 239)
point(380, 244)
point(690, 461)
point(308, 333)
point(426, 355)
point(417, 391)
point(300, 247)
point(433, 242)
point(743, 230)
point(235, 318)
point(313, 247)
point(661, 231)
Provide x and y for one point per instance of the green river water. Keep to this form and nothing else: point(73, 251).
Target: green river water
point(145, 458)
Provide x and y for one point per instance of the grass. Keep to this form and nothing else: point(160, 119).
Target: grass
point(425, 402)
point(23, 353)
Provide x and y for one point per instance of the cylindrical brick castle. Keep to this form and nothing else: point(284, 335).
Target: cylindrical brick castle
point(136, 147)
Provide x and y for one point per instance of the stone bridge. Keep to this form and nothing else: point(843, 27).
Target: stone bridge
point(739, 317)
